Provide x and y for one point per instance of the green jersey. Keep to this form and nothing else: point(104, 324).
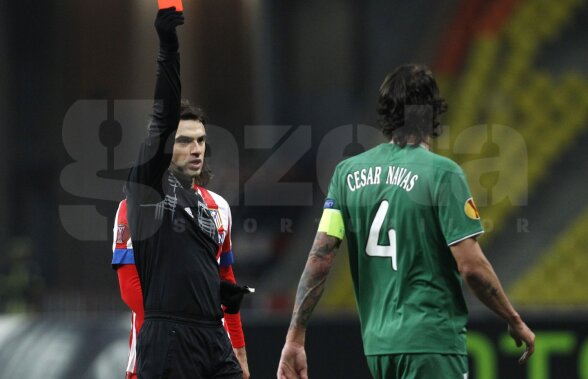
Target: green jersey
point(402, 208)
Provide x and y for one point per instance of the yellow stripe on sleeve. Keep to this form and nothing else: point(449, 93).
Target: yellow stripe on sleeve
point(332, 223)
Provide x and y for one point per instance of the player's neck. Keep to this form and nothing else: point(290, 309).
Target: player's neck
point(412, 141)
point(425, 144)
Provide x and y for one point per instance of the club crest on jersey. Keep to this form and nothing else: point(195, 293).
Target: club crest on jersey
point(470, 209)
point(120, 233)
point(329, 204)
point(217, 219)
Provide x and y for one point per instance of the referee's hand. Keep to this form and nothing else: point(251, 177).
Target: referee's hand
point(166, 22)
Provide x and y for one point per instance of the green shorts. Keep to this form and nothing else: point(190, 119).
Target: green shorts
point(418, 366)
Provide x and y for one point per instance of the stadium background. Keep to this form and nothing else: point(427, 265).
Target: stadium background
point(290, 88)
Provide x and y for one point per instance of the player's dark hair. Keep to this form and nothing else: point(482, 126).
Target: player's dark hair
point(409, 105)
point(190, 112)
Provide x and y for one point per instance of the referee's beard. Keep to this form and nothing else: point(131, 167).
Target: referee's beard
point(185, 176)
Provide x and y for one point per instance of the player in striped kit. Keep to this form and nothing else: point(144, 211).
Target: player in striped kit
point(124, 263)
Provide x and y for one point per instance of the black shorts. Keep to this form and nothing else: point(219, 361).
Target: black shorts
point(177, 350)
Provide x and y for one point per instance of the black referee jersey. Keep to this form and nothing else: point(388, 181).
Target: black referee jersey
point(175, 239)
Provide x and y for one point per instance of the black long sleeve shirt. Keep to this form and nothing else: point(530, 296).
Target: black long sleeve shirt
point(175, 240)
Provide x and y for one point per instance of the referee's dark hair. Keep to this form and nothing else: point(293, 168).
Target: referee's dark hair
point(191, 112)
point(409, 105)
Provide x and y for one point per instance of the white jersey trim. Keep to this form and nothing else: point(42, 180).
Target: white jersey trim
point(115, 227)
point(132, 362)
point(465, 238)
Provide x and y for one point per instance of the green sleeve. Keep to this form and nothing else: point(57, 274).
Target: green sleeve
point(334, 198)
point(458, 217)
point(332, 219)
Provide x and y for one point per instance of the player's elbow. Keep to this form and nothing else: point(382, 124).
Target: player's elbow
point(131, 295)
point(474, 272)
point(471, 261)
point(470, 274)
point(467, 269)
point(319, 266)
point(124, 295)
point(126, 298)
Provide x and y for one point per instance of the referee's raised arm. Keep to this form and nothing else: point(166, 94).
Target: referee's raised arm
point(155, 152)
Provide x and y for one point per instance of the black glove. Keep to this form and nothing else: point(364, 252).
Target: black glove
point(165, 23)
point(232, 295)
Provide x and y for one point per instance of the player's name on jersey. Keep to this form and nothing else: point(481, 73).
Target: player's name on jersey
point(395, 175)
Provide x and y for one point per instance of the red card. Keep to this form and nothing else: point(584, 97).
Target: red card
point(171, 3)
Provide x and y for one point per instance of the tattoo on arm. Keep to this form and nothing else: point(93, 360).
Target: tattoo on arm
point(483, 288)
point(312, 282)
point(490, 289)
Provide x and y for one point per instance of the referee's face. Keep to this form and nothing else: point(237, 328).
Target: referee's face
point(189, 148)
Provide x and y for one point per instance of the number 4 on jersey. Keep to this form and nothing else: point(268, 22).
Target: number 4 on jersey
point(373, 249)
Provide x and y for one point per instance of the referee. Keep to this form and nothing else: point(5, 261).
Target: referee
point(176, 241)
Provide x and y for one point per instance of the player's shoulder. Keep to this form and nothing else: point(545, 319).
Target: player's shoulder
point(368, 156)
point(439, 162)
point(220, 201)
point(121, 212)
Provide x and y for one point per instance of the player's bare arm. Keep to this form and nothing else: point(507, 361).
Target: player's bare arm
point(312, 282)
point(241, 355)
point(483, 281)
point(293, 363)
